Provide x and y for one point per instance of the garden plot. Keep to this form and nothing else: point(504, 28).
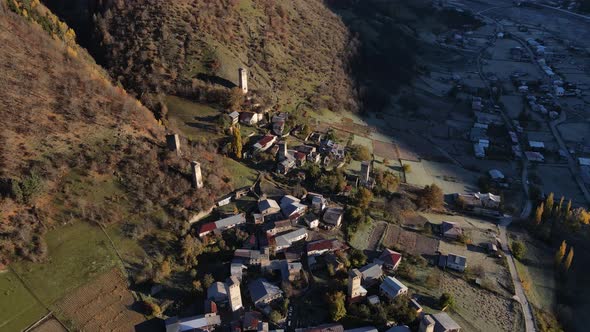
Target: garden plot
point(559, 181)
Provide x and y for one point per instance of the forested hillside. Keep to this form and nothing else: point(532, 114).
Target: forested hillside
point(296, 49)
point(77, 148)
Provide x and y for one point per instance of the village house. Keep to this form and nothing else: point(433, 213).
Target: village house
point(440, 322)
point(249, 118)
point(333, 216)
point(318, 202)
point(452, 261)
point(392, 288)
point(293, 210)
point(320, 247)
point(286, 165)
point(265, 143)
point(291, 271)
point(323, 328)
point(478, 200)
point(311, 220)
point(279, 226)
point(252, 257)
point(263, 293)
point(235, 117)
point(222, 224)
point(253, 322)
point(217, 293)
point(284, 241)
point(450, 230)
point(205, 323)
point(389, 259)
point(268, 206)
point(236, 269)
point(372, 274)
point(363, 329)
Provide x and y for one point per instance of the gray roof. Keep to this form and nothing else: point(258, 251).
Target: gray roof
point(392, 286)
point(456, 259)
point(231, 221)
point(444, 322)
point(268, 204)
point(260, 289)
point(217, 292)
point(175, 324)
point(332, 214)
point(363, 329)
point(371, 271)
point(399, 328)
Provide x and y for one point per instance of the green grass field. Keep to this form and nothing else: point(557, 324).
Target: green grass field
point(18, 308)
point(241, 175)
point(77, 254)
point(194, 120)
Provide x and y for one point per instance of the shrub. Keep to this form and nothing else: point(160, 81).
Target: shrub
point(518, 250)
point(446, 300)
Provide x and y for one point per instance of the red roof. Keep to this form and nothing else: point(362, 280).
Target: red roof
point(208, 227)
point(390, 257)
point(300, 155)
point(265, 140)
point(320, 245)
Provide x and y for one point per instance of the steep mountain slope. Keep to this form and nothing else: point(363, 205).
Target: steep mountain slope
point(75, 147)
point(297, 49)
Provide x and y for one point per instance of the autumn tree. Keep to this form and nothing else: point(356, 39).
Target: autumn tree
point(560, 253)
point(191, 249)
point(235, 98)
point(549, 202)
point(539, 213)
point(207, 280)
point(568, 260)
point(431, 197)
point(363, 198)
point(237, 142)
point(336, 305)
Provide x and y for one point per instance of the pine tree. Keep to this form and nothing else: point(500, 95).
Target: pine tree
point(560, 253)
point(568, 260)
point(539, 214)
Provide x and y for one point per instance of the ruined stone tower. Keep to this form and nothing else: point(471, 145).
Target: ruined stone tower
point(232, 288)
point(196, 175)
point(173, 143)
point(243, 79)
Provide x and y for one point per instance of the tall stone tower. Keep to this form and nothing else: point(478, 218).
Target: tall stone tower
point(232, 288)
point(282, 150)
point(243, 79)
point(354, 283)
point(173, 143)
point(365, 171)
point(196, 175)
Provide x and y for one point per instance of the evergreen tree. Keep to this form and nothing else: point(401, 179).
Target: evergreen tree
point(568, 260)
point(560, 253)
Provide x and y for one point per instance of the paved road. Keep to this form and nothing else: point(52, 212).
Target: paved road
point(520, 295)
